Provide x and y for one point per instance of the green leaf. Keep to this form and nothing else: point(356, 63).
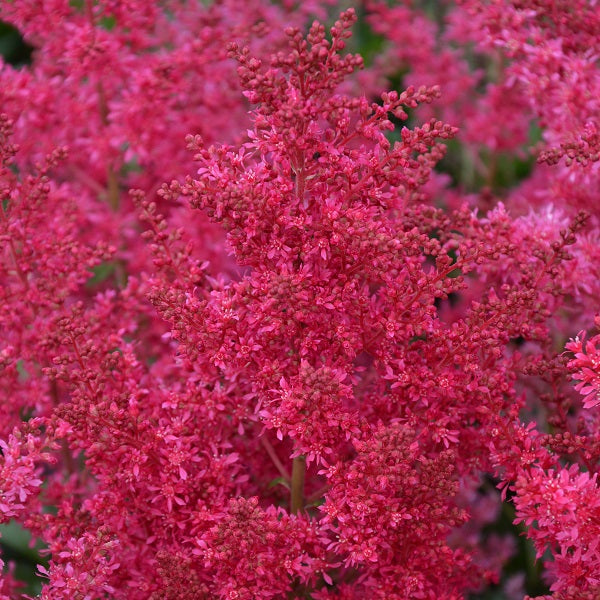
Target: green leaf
point(100, 273)
point(108, 23)
point(279, 481)
point(18, 540)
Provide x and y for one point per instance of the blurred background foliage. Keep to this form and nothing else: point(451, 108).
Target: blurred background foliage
point(23, 553)
point(13, 49)
point(17, 547)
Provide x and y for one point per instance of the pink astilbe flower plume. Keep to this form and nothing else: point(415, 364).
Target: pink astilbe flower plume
point(585, 367)
point(312, 365)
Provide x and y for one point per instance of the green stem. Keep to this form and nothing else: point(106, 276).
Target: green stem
point(112, 181)
point(298, 472)
point(112, 184)
point(273, 455)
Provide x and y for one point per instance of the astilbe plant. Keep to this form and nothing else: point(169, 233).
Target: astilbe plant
point(325, 415)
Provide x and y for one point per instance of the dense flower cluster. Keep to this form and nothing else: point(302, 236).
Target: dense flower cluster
point(327, 356)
